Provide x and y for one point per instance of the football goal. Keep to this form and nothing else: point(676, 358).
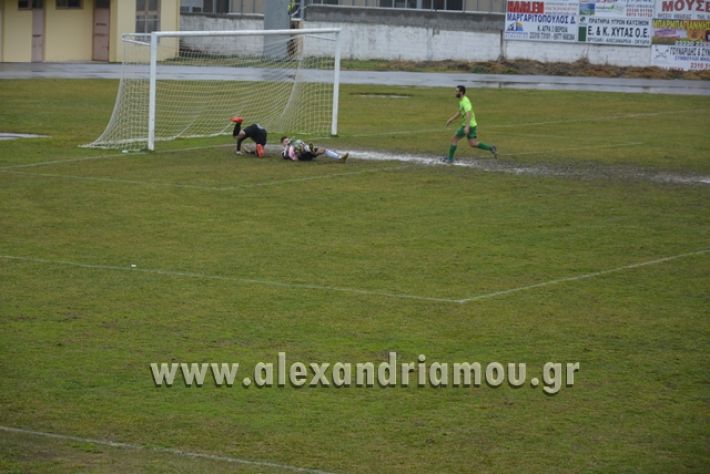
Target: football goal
point(186, 84)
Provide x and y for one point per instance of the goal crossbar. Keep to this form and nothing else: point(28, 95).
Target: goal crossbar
point(156, 35)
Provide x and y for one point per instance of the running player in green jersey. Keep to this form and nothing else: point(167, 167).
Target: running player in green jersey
point(467, 128)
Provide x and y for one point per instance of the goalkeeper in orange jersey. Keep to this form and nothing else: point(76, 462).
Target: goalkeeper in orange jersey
point(254, 131)
point(467, 128)
point(297, 150)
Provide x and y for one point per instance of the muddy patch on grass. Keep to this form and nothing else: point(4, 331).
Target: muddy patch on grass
point(508, 166)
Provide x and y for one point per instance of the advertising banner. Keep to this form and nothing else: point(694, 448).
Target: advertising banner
point(556, 20)
point(677, 32)
point(682, 10)
point(681, 44)
point(617, 22)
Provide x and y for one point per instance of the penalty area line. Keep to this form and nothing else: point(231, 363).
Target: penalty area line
point(161, 450)
point(252, 281)
point(582, 277)
point(386, 294)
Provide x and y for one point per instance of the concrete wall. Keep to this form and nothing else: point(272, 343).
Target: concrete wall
point(433, 20)
point(430, 36)
point(569, 52)
point(198, 22)
point(246, 45)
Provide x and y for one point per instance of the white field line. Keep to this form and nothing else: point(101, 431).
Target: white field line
point(71, 160)
point(158, 449)
point(598, 119)
point(280, 284)
point(483, 165)
point(114, 155)
point(204, 188)
point(524, 124)
point(585, 147)
point(582, 277)
point(374, 134)
point(253, 281)
point(495, 166)
point(534, 135)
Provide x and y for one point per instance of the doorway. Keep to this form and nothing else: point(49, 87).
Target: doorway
point(37, 31)
point(102, 17)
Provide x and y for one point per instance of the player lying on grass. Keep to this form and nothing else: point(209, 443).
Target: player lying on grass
point(254, 131)
point(467, 128)
point(295, 149)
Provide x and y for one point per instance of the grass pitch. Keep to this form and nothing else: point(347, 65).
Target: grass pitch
point(237, 259)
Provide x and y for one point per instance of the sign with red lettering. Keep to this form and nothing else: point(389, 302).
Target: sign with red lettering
point(554, 20)
point(682, 9)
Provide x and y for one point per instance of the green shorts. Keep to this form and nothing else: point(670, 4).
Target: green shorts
point(471, 132)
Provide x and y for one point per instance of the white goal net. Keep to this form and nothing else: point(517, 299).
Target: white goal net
point(188, 84)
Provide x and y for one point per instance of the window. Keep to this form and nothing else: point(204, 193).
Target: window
point(457, 5)
point(191, 6)
point(29, 4)
point(68, 3)
point(208, 6)
point(147, 16)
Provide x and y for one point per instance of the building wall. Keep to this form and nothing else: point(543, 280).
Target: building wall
point(123, 20)
point(170, 15)
point(68, 32)
point(2, 9)
point(17, 30)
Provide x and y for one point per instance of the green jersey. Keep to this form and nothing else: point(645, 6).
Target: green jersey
point(464, 107)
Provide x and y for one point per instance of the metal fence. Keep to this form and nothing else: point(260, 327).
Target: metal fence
point(257, 6)
point(495, 6)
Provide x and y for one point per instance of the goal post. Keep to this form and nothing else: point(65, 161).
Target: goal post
point(187, 84)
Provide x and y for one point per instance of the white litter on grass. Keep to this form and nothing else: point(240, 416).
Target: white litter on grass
point(15, 136)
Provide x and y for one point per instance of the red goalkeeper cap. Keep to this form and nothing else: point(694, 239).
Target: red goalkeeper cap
point(237, 119)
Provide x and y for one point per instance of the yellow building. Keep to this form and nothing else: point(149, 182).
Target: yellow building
point(78, 30)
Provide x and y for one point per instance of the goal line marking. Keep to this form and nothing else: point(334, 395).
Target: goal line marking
point(204, 188)
point(374, 134)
